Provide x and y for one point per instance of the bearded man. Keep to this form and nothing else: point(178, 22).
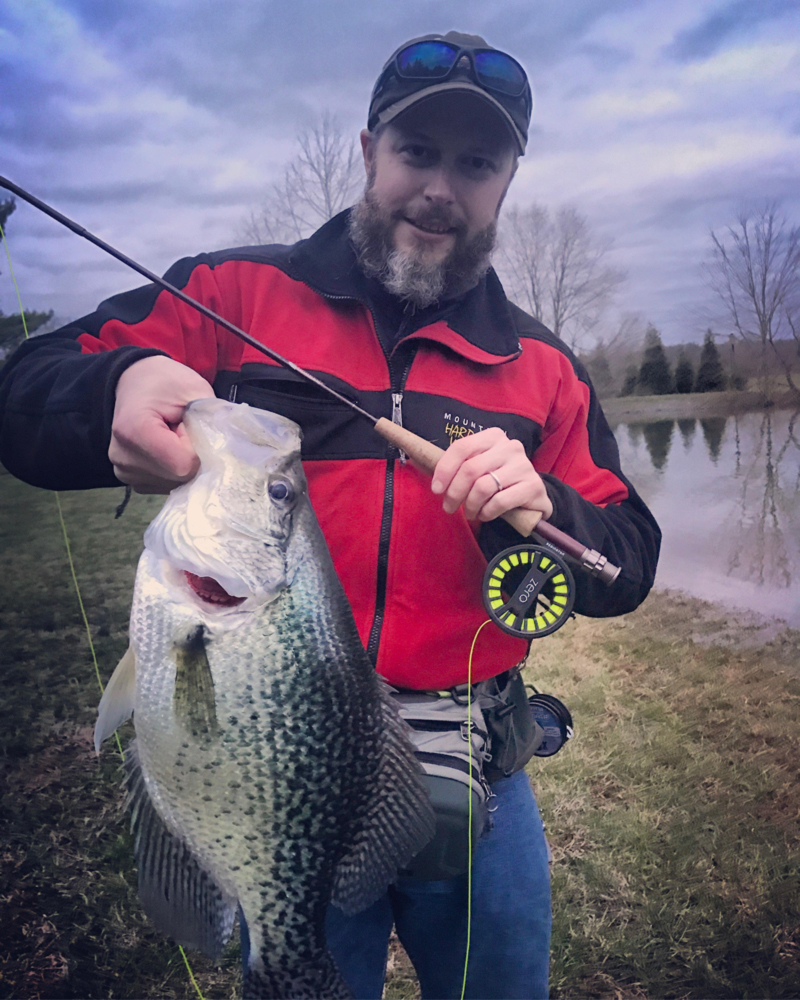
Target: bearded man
point(395, 305)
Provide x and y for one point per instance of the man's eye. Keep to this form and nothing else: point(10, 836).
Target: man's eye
point(417, 152)
point(479, 164)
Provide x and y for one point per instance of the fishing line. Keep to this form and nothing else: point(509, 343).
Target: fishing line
point(469, 821)
point(74, 574)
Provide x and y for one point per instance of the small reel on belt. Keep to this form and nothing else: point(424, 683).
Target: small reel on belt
point(528, 591)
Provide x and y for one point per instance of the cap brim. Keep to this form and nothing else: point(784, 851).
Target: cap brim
point(390, 113)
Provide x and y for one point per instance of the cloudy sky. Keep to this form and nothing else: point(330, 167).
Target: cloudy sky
point(158, 124)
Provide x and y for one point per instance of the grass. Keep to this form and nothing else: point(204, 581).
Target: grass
point(674, 815)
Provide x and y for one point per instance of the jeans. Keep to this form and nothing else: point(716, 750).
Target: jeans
point(510, 938)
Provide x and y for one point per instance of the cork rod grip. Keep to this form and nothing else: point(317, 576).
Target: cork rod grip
point(426, 455)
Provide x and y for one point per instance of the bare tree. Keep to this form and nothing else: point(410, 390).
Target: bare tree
point(556, 267)
point(754, 267)
point(322, 179)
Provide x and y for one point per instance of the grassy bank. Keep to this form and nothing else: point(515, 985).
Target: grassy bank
point(673, 815)
point(622, 409)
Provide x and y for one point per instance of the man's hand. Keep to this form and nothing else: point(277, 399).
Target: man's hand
point(469, 472)
point(149, 448)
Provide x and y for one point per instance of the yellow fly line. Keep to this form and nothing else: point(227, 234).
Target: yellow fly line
point(75, 577)
point(469, 819)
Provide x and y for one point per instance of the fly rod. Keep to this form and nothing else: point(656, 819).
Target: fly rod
point(424, 453)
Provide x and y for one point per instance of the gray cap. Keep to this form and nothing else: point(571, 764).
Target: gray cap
point(476, 70)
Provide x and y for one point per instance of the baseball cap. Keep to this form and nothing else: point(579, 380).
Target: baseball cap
point(436, 64)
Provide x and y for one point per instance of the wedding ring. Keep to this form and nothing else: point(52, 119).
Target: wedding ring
point(499, 485)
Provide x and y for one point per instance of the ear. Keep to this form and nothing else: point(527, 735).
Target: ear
point(368, 144)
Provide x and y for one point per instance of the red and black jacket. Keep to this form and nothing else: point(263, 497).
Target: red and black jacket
point(411, 572)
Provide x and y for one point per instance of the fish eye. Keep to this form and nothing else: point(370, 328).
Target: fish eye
point(280, 490)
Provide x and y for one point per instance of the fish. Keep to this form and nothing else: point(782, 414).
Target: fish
point(271, 773)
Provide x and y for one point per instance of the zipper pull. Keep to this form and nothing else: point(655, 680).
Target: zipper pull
point(397, 418)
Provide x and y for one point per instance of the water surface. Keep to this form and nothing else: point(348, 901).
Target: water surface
point(726, 492)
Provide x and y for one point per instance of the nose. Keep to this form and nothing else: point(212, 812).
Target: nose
point(439, 186)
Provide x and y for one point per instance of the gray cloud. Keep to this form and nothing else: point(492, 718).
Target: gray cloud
point(730, 20)
point(160, 124)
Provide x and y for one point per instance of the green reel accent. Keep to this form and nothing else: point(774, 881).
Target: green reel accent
point(528, 591)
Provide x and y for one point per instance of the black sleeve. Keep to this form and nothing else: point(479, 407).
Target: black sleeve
point(625, 533)
point(56, 408)
point(618, 525)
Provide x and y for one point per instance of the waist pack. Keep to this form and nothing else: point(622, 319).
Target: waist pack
point(441, 734)
point(495, 717)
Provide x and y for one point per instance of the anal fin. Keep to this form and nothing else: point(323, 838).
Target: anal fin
point(177, 894)
point(116, 705)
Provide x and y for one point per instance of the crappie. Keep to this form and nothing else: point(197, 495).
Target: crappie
point(270, 770)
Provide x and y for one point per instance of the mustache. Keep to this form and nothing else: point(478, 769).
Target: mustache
point(434, 218)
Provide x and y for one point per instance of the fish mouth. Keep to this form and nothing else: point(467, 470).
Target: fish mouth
point(208, 590)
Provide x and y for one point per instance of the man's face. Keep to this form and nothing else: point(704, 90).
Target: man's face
point(436, 179)
point(440, 173)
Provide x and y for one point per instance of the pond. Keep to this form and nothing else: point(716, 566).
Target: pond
point(726, 492)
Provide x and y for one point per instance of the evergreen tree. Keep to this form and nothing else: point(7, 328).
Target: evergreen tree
point(684, 374)
point(6, 208)
point(631, 380)
point(710, 376)
point(12, 328)
point(654, 374)
point(12, 331)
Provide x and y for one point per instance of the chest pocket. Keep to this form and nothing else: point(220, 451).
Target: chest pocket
point(444, 420)
point(331, 430)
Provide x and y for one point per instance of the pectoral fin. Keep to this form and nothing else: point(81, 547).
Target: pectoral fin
point(194, 701)
point(116, 705)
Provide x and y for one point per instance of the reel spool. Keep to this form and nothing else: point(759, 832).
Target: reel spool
point(528, 591)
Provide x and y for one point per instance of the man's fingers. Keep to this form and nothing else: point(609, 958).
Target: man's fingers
point(462, 451)
point(149, 449)
point(473, 472)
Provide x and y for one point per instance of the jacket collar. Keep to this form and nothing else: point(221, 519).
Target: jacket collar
point(478, 325)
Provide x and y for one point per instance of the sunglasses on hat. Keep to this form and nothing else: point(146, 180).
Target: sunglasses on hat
point(436, 60)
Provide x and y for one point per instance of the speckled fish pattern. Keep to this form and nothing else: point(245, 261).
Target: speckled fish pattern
point(270, 770)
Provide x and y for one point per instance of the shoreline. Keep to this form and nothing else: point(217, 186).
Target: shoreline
point(624, 409)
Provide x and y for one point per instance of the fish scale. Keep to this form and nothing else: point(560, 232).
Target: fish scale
point(270, 770)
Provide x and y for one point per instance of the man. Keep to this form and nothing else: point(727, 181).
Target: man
point(393, 304)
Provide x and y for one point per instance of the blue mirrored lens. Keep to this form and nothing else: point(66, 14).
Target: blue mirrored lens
point(427, 60)
point(500, 72)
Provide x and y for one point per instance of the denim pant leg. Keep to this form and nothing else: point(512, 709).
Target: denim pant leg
point(511, 913)
point(510, 939)
point(359, 945)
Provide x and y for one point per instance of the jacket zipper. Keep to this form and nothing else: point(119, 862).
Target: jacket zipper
point(397, 385)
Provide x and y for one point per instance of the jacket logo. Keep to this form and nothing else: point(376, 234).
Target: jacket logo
point(456, 427)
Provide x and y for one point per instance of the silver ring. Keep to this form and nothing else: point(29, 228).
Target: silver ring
point(499, 484)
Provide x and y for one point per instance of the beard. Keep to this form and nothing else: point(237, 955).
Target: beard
point(410, 274)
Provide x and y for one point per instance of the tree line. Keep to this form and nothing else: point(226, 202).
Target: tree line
point(556, 267)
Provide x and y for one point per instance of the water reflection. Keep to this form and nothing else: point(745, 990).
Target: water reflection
point(713, 429)
point(728, 502)
point(687, 429)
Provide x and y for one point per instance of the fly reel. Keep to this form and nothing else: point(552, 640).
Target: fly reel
point(528, 591)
